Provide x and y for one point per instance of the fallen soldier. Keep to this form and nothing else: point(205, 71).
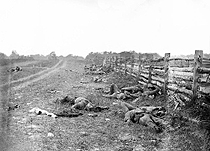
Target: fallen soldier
point(125, 93)
point(133, 89)
point(146, 116)
point(151, 90)
point(81, 103)
point(97, 79)
point(64, 113)
point(15, 69)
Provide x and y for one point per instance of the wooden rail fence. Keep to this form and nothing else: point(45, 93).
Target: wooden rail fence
point(187, 77)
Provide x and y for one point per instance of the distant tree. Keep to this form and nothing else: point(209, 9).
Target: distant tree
point(3, 56)
point(206, 55)
point(126, 54)
point(52, 55)
point(14, 55)
point(96, 57)
point(38, 57)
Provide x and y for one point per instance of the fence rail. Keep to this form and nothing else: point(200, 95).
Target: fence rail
point(189, 77)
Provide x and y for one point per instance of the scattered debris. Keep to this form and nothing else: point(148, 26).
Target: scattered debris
point(50, 135)
point(13, 107)
point(84, 82)
point(68, 113)
point(52, 91)
point(97, 79)
point(39, 111)
point(93, 115)
point(107, 119)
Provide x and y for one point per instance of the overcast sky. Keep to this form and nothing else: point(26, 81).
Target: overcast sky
point(82, 26)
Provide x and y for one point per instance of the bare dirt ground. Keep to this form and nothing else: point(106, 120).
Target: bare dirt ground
point(106, 131)
point(30, 69)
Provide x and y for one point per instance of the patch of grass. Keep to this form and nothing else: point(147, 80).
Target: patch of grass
point(185, 138)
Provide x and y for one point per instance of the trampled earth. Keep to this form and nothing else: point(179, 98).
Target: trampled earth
point(101, 131)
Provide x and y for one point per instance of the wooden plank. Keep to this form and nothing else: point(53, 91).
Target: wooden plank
point(175, 59)
point(158, 76)
point(206, 65)
point(158, 73)
point(180, 90)
point(158, 67)
point(146, 82)
point(205, 61)
point(154, 67)
point(181, 84)
point(189, 69)
point(144, 72)
point(181, 78)
point(182, 74)
point(204, 84)
point(142, 76)
point(142, 82)
point(158, 60)
point(157, 80)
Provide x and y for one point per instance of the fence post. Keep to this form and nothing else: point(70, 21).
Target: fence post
point(125, 65)
point(116, 62)
point(107, 61)
point(140, 63)
point(112, 60)
point(120, 63)
point(197, 63)
point(104, 62)
point(166, 74)
point(188, 63)
point(150, 74)
point(132, 63)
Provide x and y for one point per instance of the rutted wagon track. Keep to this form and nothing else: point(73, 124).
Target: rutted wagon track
point(32, 78)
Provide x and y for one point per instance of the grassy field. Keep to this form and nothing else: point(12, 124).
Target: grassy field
point(106, 131)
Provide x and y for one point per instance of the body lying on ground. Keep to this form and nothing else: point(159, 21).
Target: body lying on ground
point(64, 113)
point(15, 69)
point(145, 115)
point(132, 92)
point(124, 93)
point(151, 90)
point(82, 103)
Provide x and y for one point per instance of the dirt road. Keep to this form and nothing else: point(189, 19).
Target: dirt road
point(35, 77)
point(28, 132)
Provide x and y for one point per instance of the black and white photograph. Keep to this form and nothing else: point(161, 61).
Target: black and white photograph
point(104, 75)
